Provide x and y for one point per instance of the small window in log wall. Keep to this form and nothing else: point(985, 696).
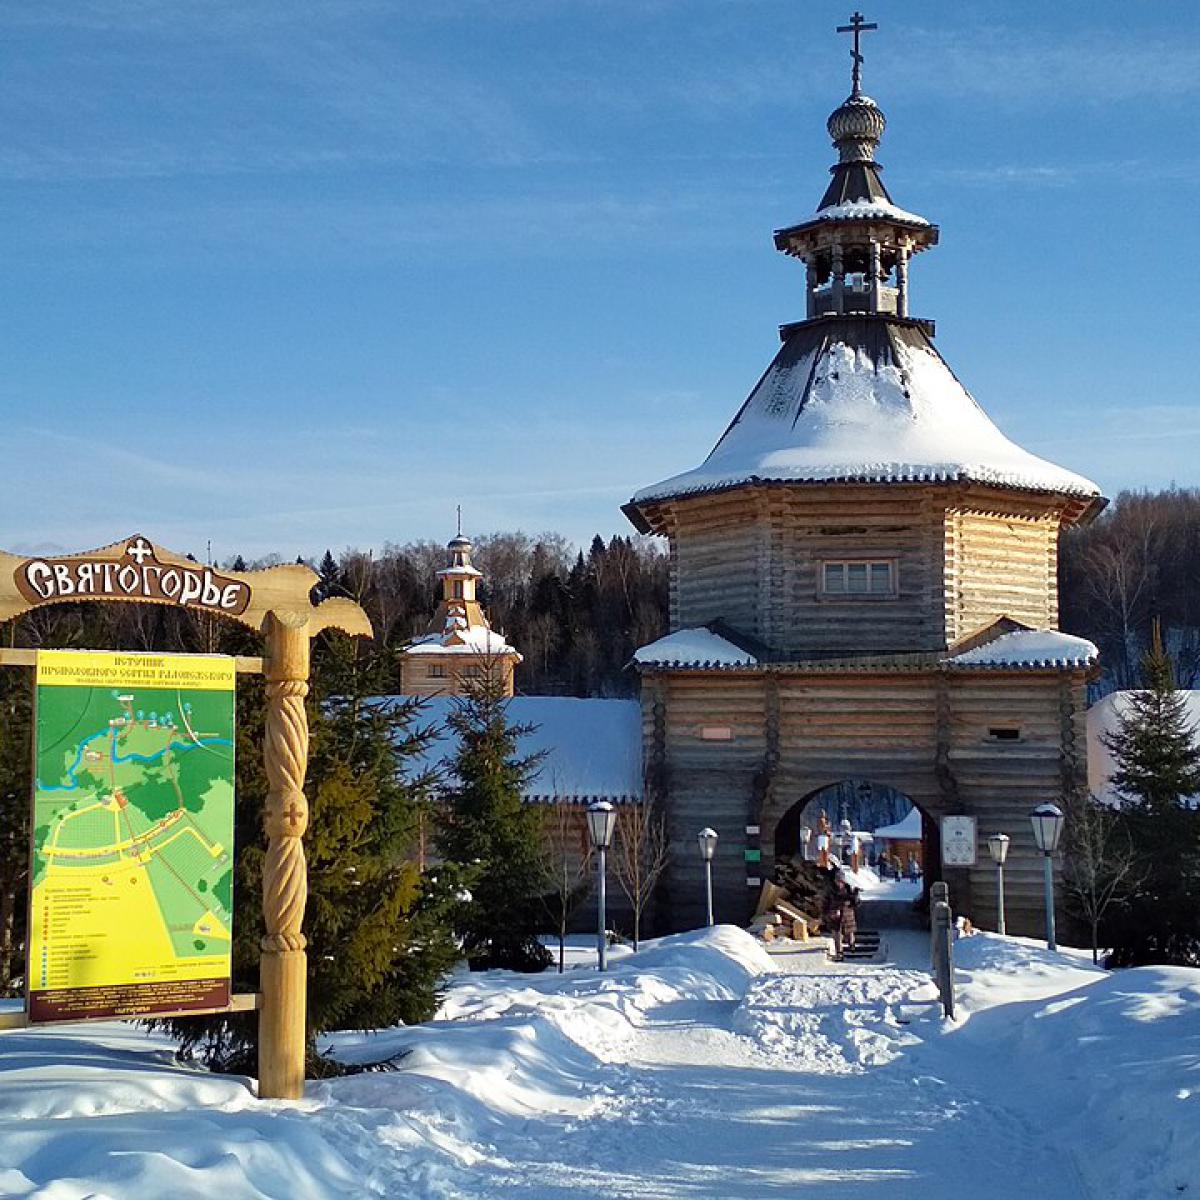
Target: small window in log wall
point(716, 733)
point(858, 577)
point(437, 672)
point(1004, 733)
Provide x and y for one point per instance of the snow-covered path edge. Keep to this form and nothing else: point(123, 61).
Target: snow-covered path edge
point(694, 1069)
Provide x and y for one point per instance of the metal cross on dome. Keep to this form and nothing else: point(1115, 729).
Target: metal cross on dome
point(858, 26)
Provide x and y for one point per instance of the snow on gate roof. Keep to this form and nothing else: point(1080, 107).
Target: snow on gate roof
point(1030, 649)
point(697, 647)
point(863, 400)
point(593, 748)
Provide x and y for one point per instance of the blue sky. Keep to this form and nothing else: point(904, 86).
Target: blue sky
point(288, 275)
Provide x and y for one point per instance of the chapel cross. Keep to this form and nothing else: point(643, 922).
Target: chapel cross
point(858, 26)
point(140, 550)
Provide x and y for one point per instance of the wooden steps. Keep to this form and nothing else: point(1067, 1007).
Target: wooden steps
point(866, 947)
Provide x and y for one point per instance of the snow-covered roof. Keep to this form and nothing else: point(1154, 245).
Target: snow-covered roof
point(865, 400)
point(1030, 649)
point(698, 647)
point(908, 829)
point(1102, 719)
point(860, 210)
point(593, 748)
point(471, 640)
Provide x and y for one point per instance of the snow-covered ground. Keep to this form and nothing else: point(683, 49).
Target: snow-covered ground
point(700, 1068)
point(872, 887)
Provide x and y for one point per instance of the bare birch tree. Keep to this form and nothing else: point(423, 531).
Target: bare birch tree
point(566, 867)
point(1100, 865)
point(640, 856)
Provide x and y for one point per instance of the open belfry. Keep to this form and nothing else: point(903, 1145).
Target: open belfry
point(863, 581)
point(459, 648)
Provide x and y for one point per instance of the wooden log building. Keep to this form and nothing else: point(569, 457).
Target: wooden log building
point(863, 583)
point(459, 648)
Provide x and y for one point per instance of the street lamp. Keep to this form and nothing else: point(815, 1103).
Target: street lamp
point(805, 834)
point(1047, 822)
point(602, 820)
point(708, 847)
point(998, 845)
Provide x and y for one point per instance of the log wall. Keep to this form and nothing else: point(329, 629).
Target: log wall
point(963, 556)
point(1000, 564)
point(460, 672)
point(928, 733)
point(716, 563)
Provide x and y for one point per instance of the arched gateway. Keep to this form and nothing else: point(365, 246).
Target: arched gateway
point(275, 603)
point(860, 804)
point(863, 578)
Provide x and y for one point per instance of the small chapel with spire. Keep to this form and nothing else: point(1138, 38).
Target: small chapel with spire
point(863, 580)
point(459, 648)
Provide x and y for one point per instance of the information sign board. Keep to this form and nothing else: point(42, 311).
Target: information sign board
point(132, 874)
point(958, 842)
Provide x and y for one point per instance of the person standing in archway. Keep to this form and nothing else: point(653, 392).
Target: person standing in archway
point(849, 901)
point(832, 910)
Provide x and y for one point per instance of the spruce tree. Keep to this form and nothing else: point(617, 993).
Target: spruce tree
point(1158, 768)
point(331, 576)
point(379, 930)
point(493, 836)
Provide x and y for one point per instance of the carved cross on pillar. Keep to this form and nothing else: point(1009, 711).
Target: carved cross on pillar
point(858, 26)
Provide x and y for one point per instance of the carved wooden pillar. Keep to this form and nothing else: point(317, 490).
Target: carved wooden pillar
point(283, 967)
point(813, 283)
point(902, 282)
point(839, 280)
point(874, 271)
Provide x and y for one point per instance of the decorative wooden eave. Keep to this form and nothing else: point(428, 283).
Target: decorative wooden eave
point(921, 663)
point(656, 516)
point(823, 233)
point(139, 571)
point(928, 326)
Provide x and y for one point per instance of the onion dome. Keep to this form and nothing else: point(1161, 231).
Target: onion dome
point(856, 127)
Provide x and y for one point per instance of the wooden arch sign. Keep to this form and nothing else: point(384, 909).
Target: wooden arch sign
point(276, 603)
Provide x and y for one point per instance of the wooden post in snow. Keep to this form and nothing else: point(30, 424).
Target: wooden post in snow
point(283, 977)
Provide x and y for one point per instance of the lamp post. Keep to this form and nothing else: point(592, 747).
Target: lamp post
point(602, 820)
point(708, 847)
point(998, 845)
point(1047, 822)
point(805, 834)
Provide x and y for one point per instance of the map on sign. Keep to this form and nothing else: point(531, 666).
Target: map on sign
point(131, 905)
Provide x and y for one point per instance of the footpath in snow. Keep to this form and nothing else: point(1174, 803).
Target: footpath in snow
point(700, 1068)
